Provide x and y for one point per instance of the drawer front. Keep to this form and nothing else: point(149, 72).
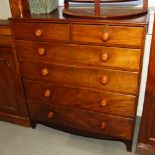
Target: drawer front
point(41, 31)
point(112, 35)
point(121, 81)
point(83, 54)
point(5, 30)
point(82, 120)
point(99, 101)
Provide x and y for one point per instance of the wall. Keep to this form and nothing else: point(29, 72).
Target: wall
point(5, 10)
point(151, 3)
point(5, 13)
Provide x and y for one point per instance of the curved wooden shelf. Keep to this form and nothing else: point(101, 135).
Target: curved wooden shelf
point(99, 11)
point(105, 13)
point(101, 1)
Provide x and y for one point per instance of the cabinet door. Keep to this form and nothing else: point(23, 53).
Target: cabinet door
point(146, 142)
point(148, 118)
point(11, 96)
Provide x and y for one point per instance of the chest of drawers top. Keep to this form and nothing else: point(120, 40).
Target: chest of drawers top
point(57, 28)
point(105, 34)
point(80, 33)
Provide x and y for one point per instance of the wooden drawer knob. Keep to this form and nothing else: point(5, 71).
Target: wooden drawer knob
point(38, 32)
point(50, 114)
point(47, 93)
point(104, 56)
point(103, 103)
point(41, 51)
point(103, 125)
point(104, 79)
point(105, 36)
point(44, 72)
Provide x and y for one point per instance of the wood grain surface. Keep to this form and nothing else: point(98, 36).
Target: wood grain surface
point(100, 56)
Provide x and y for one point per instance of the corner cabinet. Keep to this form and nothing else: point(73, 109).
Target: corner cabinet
point(146, 142)
point(12, 102)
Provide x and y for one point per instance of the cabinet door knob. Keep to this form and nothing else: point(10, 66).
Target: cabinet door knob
point(50, 114)
point(105, 36)
point(103, 125)
point(104, 56)
point(41, 51)
point(44, 71)
point(104, 79)
point(47, 93)
point(103, 103)
point(38, 32)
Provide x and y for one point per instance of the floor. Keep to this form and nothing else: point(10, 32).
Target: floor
point(16, 140)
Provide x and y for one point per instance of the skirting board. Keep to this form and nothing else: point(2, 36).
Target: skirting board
point(23, 121)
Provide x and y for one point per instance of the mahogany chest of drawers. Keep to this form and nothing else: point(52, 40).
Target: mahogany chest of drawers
point(81, 76)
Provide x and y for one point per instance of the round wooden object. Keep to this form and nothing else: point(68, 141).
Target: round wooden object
point(104, 56)
point(47, 93)
point(50, 114)
point(41, 51)
point(103, 125)
point(103, 103)
point(105, 13)
point(44, 71)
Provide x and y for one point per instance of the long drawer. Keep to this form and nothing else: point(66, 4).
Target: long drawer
point(99, 101)
point(105, 34)
point(81, 54)
point(105, 79)
point(82, 120)
point(41, 31)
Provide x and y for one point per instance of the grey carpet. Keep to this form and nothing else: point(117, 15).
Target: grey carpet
point(16, 140)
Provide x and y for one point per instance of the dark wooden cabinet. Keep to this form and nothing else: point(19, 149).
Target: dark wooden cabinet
point(146, 142)
point(12, 101)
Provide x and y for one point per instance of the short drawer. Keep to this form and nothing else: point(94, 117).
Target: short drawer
point(82, 120)
point(112, 35)
point(105, 79)
point(124, 58)
point(99, 101)
point(41, 31)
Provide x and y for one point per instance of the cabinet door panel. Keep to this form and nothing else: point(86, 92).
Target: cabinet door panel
point(11, 99)
point(152, 133)
point(146, 142)
point(7, 99)
point(6, 88)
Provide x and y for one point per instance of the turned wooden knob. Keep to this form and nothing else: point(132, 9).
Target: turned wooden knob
point(105, 36)
point(41, 51)
point(104, 56)
point(44, 72)
point(38, 32)
point(103, 103)
point(103, 125)
point(50, 114)
point(47, 93)
point(104, 79)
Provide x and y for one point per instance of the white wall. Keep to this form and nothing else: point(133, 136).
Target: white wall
point(61, 2)
point(151, 3)
point(4, 9)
